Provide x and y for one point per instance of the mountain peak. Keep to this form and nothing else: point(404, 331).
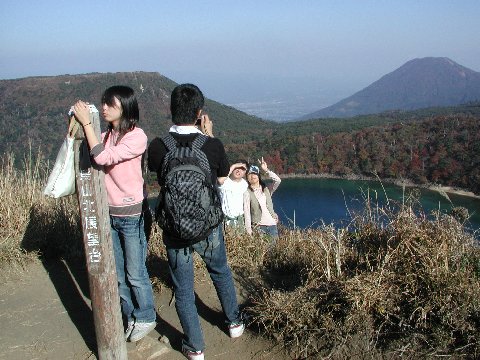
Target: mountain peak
point(433, 65)
point(419, 83)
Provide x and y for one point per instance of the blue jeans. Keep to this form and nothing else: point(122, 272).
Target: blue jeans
point(270, 230)
point(134, 286)
point(180, 261)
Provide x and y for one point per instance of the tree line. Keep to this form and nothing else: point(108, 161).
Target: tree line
point(442, 150)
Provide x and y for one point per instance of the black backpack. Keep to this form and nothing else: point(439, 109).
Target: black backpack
point(189, 206)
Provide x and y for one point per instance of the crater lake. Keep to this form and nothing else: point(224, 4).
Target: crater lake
point(308, 202)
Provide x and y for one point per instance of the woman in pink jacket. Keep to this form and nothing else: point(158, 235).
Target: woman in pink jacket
point(120, 151)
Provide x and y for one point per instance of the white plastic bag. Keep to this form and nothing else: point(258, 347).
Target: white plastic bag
point(61, 181)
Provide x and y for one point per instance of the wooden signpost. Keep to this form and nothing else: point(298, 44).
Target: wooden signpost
point(102, 278)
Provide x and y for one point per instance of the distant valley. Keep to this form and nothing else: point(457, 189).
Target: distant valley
point(284, 98)
point(281, 108)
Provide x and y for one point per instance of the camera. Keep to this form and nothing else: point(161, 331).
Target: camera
point(91, 108)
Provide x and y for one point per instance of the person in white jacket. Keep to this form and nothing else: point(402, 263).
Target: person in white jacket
point(231, 193)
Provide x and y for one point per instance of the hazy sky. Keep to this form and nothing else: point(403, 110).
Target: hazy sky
point(232, 48)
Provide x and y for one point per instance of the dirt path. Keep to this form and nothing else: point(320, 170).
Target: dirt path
point(45, 314)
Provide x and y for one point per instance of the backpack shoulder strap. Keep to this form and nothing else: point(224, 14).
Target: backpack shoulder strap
point(171, 145)
point(197, 144)
point(199, 141)
point(169, 142)
point(196, 149)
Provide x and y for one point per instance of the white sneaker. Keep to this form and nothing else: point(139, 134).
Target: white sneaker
point(129, 329)
point(236, 329)
point(141, 329)
point(193, 355)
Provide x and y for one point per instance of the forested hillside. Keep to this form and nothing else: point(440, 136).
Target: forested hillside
point(443, 149)
point(33, 110)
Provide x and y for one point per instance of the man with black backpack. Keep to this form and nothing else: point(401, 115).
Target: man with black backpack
point(190, 164)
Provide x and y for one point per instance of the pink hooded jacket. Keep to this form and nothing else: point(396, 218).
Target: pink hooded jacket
point(123, 171)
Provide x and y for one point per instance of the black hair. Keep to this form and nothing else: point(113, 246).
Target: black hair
point(185, 103)
point(243, 161)
point(260, 181)
point(128, 102)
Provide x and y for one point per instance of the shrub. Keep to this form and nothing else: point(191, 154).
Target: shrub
point(33, 224)
point(396, 283)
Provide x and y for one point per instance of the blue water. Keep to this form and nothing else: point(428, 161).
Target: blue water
point(312, 201)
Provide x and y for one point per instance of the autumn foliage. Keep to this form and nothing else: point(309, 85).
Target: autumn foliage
point(442, 150)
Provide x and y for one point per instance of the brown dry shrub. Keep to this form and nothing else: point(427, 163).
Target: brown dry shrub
point(19, 190)
point(157, 262)
point(399, 282)
point(33, 224)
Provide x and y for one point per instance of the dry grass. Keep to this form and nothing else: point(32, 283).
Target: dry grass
point(33, 224)
point(393, 283)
